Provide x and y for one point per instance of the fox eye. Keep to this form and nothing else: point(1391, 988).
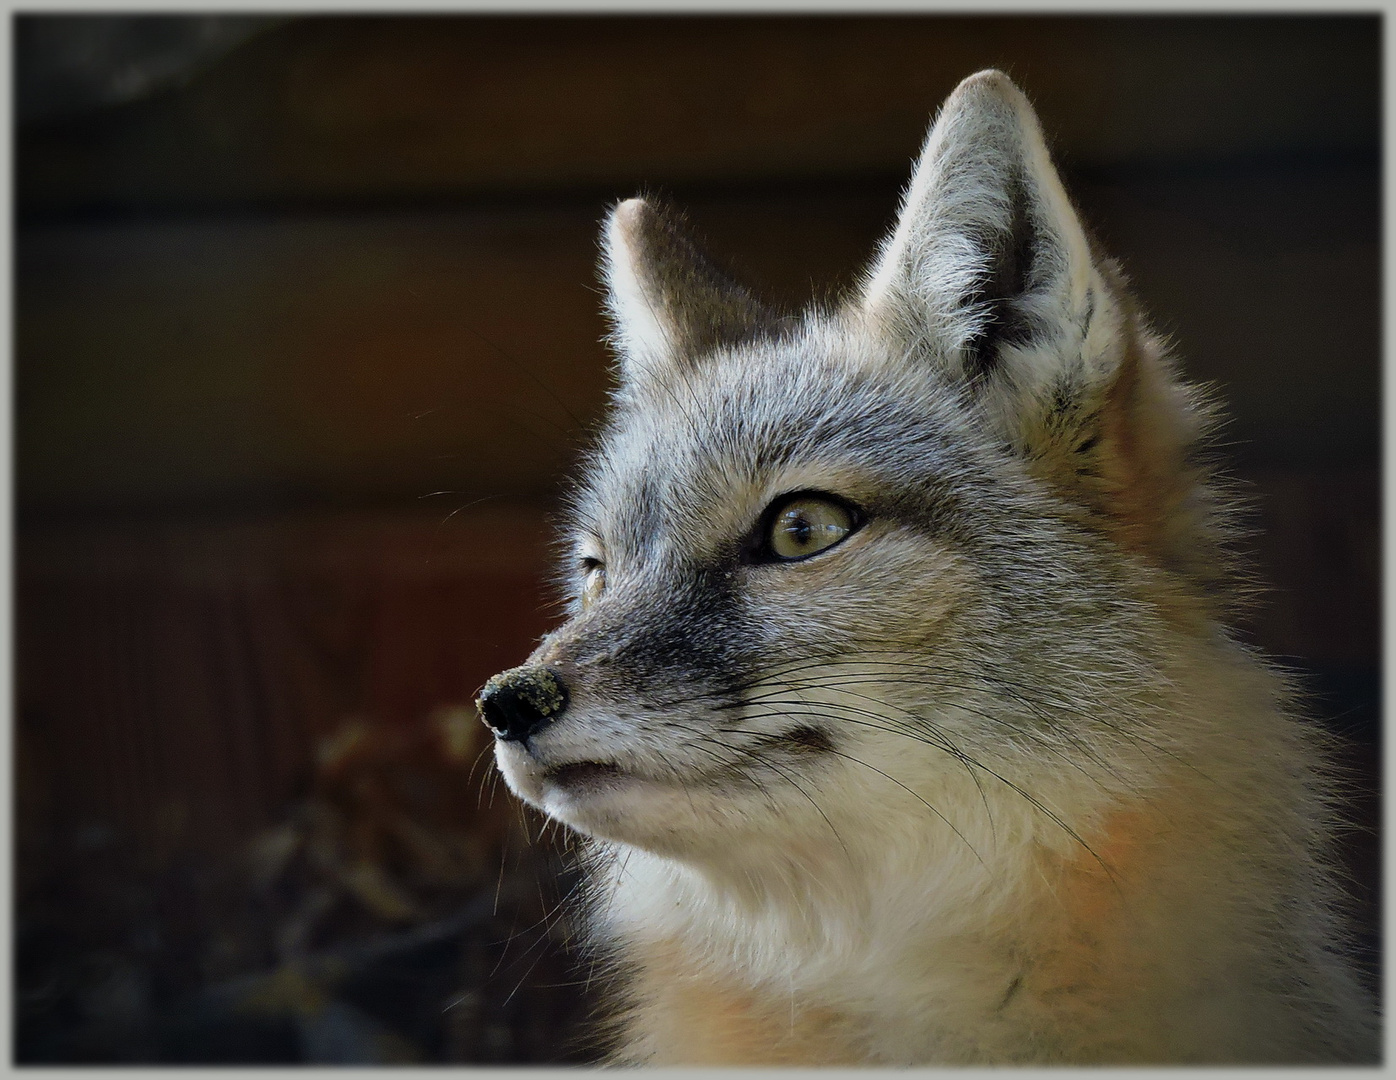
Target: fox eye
point(593, 580)
point(806, 524)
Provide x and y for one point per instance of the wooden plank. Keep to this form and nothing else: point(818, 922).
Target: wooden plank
point(256, 360)
point(393, 108)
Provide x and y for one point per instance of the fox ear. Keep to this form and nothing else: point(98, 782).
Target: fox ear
point(989, 274)
point(988, 261)
point(668, 304)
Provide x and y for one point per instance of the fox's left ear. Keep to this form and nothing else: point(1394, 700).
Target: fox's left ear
point(988, 259)
point(668, 303)
point(989, 275)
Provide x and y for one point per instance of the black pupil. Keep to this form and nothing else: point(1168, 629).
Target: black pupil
point(799, 529)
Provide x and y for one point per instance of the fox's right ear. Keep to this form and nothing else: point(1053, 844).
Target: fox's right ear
point(668, 303)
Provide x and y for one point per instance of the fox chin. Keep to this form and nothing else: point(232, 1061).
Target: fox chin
point(896, 704)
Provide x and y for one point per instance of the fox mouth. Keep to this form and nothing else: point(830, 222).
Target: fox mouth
point(583, 774)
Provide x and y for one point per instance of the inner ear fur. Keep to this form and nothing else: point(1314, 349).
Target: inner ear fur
point(987, 251)
point(669, 303)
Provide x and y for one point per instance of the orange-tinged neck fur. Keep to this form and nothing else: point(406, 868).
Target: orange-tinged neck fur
point(1097, 956)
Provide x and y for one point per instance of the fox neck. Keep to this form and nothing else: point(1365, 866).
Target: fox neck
point(836, 929)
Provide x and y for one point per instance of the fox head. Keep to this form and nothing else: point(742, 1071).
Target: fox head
point(893, 561)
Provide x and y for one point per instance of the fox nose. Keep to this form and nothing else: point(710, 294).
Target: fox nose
point(521, 701)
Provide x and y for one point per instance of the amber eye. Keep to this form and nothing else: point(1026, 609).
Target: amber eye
point(593, 581)
point(807, 524)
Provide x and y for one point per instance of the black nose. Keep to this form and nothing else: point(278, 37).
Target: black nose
point(521, 701)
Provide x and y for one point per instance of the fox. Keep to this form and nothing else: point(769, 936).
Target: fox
point(897, 710)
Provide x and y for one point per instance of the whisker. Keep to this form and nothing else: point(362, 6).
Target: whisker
point(1031, 799)
point(765, 762)
point(894, 780)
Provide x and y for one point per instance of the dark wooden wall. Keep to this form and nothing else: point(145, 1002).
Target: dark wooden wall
point(308, 335)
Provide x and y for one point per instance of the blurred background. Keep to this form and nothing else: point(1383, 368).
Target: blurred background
point(308, 338)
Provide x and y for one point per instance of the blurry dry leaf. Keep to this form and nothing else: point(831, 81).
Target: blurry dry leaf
point(333, 751)
point(270, 852)
point(461, 732)
point(286, 990)
point(372, 887)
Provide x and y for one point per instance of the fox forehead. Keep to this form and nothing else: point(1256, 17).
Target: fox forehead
point(694, 459)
